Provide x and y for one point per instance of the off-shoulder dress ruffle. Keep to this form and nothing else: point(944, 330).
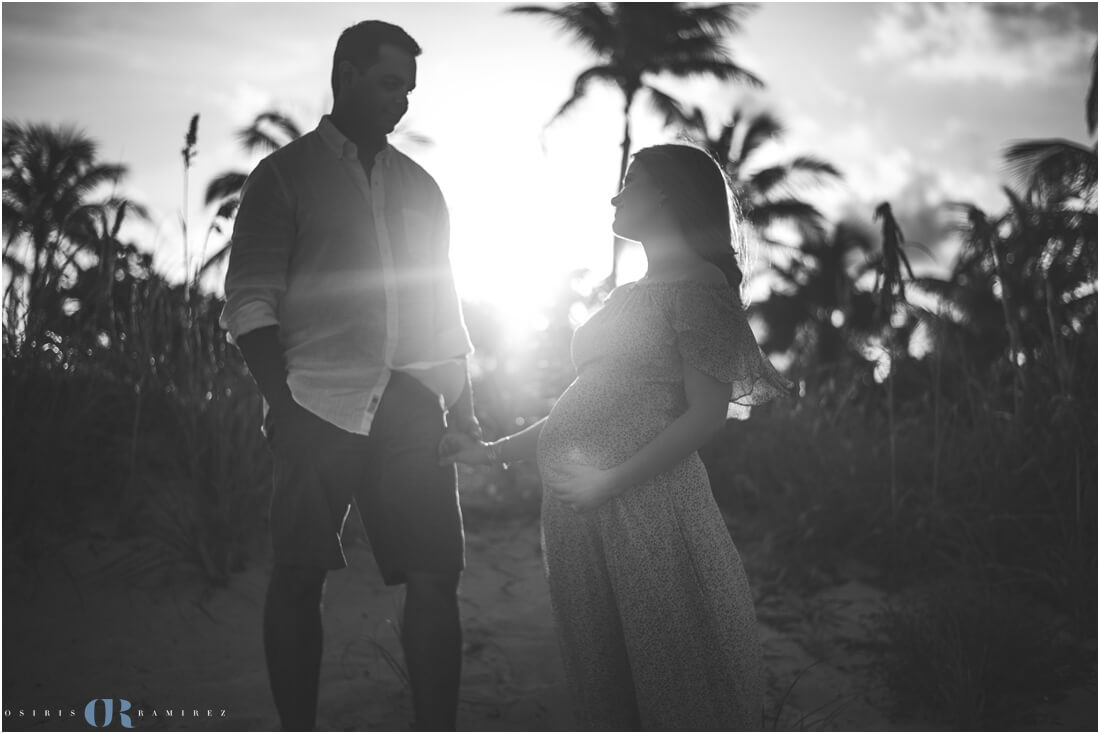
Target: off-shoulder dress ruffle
point(713, 336)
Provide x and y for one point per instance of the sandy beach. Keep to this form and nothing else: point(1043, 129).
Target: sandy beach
point(98, 619)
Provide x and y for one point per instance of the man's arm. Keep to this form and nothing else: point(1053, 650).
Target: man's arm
point(263, 236)
point(460, 416)
point(263, 353)
point(451, 336)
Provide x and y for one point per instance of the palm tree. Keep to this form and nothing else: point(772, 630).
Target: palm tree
point(268, 132)
point(634, 42)
point(815, 305)
point(1051, 233)
point(1034, 263)
point(1055, 170)
point(100, 289)
point(49, 175)
point(766, 195)
point(892, 272)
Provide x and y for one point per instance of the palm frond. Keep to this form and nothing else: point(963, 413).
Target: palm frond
point(723, 19)
point(281, 122)
point(580, 87)
point(670, 110)
point(122, 207)
point(217, 258)
point(761, 128)
point(255, 140)
point(587, 23)
point(270, 131)
point(224, 186)
point(1052, 165)
point(723, 70)
point(14, 221)
point(819, 168)
point(723, 144)
point(785, 210)
point(17, 268)
point(91, 178)
point(891, 274)
point(1090, 100)
point(228, 208)
point(767, 180)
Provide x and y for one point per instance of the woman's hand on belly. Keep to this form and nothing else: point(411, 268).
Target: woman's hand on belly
point(583, 488)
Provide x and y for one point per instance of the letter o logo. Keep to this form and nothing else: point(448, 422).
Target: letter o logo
point(108, 713)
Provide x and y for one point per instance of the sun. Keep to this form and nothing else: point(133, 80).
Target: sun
point(523, 224)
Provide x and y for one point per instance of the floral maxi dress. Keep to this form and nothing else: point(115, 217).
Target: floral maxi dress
point(654, 613)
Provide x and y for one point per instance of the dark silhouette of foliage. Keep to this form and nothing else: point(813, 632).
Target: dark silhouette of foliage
point(769, 195)
point(635, 42)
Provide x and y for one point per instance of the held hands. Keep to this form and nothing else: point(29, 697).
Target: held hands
point(464, 448)
point(583, 488)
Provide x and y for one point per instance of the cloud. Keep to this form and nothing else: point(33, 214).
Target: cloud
point(243, 102)
point(918, 187)
point(920, 196)
point(1011, 44)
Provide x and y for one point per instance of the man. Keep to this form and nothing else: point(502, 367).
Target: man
point(341, 299)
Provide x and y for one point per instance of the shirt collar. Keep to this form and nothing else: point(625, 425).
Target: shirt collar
point(343, 148)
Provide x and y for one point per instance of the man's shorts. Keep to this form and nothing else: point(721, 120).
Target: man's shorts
point(408, 502)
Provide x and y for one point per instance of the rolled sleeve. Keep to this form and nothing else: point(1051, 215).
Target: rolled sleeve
point(263, 237)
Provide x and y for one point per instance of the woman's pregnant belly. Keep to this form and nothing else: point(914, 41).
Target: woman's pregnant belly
point(603, 418)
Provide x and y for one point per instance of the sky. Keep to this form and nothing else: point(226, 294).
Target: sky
point(913, 102)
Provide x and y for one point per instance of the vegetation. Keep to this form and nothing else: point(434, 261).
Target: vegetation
point(946, 434)
point(634, 43)
point(125, 375)
point(765, 196)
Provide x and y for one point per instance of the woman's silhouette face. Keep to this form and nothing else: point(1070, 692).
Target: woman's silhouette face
point(637, 205)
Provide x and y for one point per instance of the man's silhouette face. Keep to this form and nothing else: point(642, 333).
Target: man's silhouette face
point(378, 96)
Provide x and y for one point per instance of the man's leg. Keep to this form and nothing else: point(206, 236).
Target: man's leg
point(409, 506)
point(432, 638)
point(292, 642)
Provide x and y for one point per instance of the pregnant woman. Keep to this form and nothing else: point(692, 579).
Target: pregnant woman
point(654, 612)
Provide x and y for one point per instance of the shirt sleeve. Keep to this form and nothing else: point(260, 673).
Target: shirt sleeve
point(263, 237)
point(713, 336)
point(452, 336)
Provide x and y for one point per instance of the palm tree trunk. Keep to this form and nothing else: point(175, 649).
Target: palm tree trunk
point(1015, 343)
point(893, 430)
point(1063, 367)
point(38, 275)
point(937, 431)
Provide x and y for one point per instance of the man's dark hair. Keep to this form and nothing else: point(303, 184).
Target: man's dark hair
point(360, 43)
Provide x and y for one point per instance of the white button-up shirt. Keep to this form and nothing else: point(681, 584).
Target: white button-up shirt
point(355, 273)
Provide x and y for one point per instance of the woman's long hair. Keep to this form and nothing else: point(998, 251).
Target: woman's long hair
point(703, 204)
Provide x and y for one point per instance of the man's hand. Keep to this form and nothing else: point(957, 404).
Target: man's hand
point(464, 424)
point(295, 429)
point(462, 447)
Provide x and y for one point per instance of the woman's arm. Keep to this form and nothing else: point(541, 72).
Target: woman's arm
point(585, 488)
point(519, 446)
